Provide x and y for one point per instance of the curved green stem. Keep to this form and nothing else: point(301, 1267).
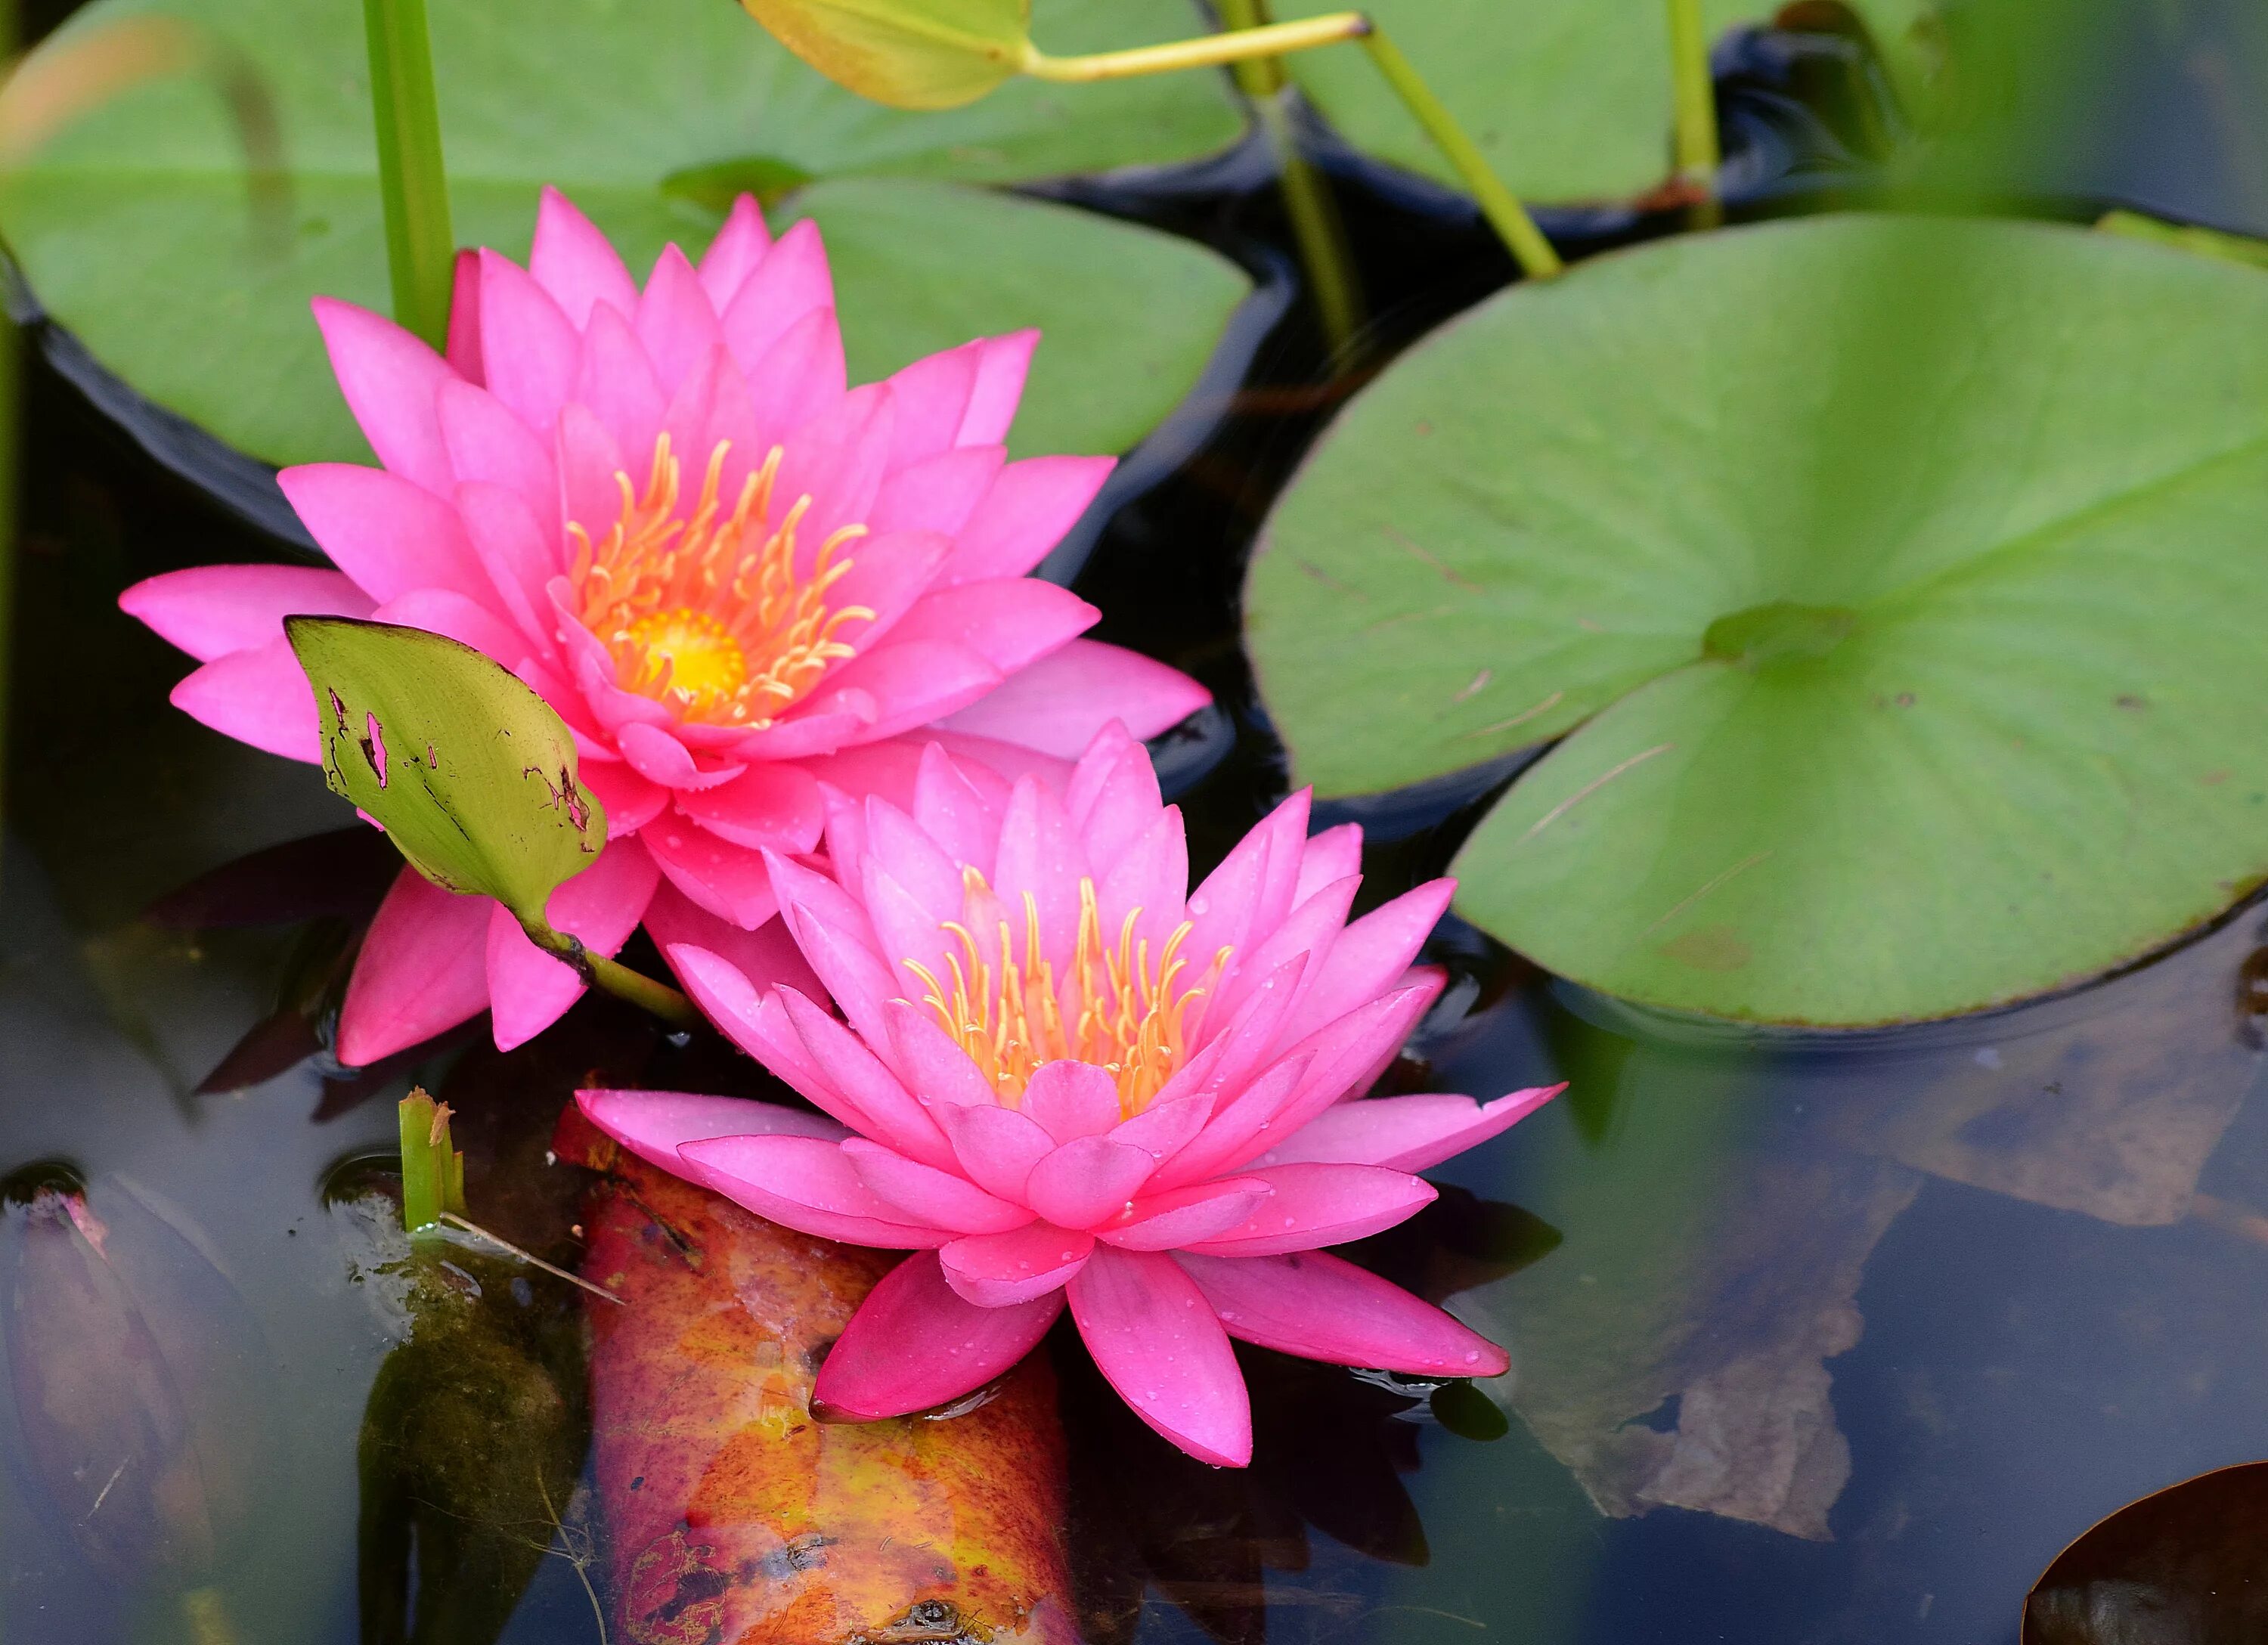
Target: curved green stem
point(1313, 215)
point(419, 247)
point(1697, 152)
point(1504, 212)
point(615, 977)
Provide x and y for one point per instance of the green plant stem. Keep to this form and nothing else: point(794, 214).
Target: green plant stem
point(1504, 212)
point(419, 247)
point(1313, 215)
point(1697, 152)
point(616, 978)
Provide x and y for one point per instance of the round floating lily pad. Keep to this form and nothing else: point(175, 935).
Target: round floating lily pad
point(1570, 100)
point(137, 231)
point(1903, 585)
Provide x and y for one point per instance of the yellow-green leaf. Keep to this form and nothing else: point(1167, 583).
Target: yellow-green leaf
point(470, 773)
point(907, 54)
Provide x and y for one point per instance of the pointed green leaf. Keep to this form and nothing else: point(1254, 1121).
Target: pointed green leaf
point(470, 773)
point(909, 54)
point(1899, 582)
point(432, 1166)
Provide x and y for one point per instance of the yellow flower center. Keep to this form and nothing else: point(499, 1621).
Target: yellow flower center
point(709, 612)
point(1127, 1011)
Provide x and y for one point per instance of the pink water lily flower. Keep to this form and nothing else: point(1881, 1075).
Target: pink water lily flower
point(731, 573)
point(1059, 1077)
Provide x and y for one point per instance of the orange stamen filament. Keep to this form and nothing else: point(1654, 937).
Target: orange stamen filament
point(709, 612)
point(1129, 1012)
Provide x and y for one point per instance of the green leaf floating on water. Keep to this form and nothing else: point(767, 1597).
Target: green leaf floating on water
point(1902, 584)
point(134, 230)
point(1570, 100)
point(470, 773)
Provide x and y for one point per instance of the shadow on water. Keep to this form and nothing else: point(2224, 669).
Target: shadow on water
point(1816, 1339)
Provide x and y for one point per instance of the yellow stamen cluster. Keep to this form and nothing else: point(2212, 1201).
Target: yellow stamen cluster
point(709, 612)
point(1127, 1011)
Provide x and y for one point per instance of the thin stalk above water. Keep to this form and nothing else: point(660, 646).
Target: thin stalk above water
point(1503, 211)
point(419, 246)
point(1698, 154)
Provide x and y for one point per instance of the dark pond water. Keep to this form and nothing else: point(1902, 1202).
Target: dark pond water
point(1815, 1339)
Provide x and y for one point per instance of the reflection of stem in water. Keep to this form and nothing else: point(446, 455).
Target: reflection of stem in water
point(208, 1617)
point(575, 1547)
point(1307, 203)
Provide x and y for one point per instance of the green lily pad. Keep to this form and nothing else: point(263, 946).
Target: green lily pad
point(470, 773)
point(134, 230)
point(1900, 582)
point(1570, 100)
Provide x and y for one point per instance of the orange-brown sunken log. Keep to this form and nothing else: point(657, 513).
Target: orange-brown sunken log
point(731, 1515)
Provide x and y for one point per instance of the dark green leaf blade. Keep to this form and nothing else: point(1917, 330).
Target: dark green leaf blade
point(470, 773)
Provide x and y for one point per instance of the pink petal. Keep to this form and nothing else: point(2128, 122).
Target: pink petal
point(789, 283)
point(932, 1062)
point(1314, 1205)
point(1057, 704)
point(421, 970)
point(1072, 1100)
point(514, 554)
point(1184, 1216)
point(999, 386)
point(800, 379)
point(732, 256)
point(1155, 1337)
point(445, 612)
point(1011, 622)
point(1028, 510)
point(675, 321)
point(758, 1025)
point(1001, 1270)
point(837, 455)
point(910, 933)
point(630, 802)
point(767, 807)
point(260, 697)
point(939, 493)
point(996, 1147)
point(1085, 1181)
point(855, 980)
point(1349, 1054)
point(387, 534)
point(1039, 867)
point(1242, 1125)
point(530, 990)
point(729, 880)
point(1405, 1133)
point(1370, 956)
point(894, 1115)
point(804, 735)
point(1150, 876)
point(528, 349)
point(653, 1123)
point(806, 1184)
point(1248, 894)
point(886, 576)
point(869, 1374)
point(954, 811)
point(587, 461)
point(1323, 1307)
point(1313, 929)
point(389, 378)
point(660, 757)
point(211, 610)
point(931, 1195)
point(1165, 1128)
point(487, 443)
point(576, 263)
point(464, 341)
point(1330, 855)
point(932, 398)
point(913, 682)
point(614, 378)
point(766, 957)
point(1229, 1055)
point(1112, 798)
